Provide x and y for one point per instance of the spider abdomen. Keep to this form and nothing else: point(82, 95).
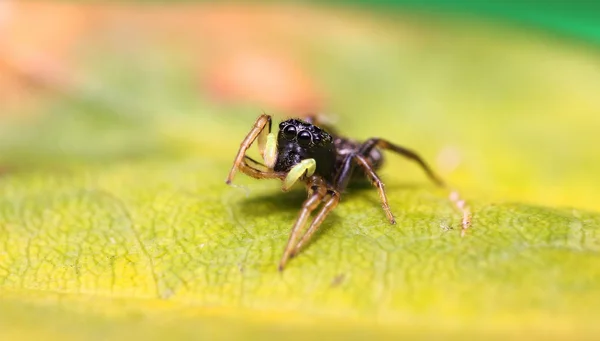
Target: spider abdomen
point(345, 147)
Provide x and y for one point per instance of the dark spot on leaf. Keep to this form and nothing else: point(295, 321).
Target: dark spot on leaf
point(338, 280)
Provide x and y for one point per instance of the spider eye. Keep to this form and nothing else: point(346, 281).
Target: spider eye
point(289, 132)
point(304, 138)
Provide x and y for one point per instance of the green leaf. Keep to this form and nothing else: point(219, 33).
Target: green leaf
point(115, 221)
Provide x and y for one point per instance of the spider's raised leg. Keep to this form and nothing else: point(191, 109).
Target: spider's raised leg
point(262, 121)
point(330, 204)
point(317, 191)
point(260, 174)
point(253, 163)
point(366, 148)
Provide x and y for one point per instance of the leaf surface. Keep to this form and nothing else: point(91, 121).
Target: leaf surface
point(115, 220)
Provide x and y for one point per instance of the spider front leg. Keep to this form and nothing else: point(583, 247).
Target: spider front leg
point(245, 168)
point(330, 204)
point(267, 148)
point(316, 192)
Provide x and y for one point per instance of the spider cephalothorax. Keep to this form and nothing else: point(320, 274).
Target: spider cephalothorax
point(303, 151)
point(298, 140)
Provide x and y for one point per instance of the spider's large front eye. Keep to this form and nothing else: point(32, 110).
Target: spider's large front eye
point(289, 132)
point(304, 138)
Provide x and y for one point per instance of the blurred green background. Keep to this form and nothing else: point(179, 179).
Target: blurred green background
point(575, 19)
point(119, 122)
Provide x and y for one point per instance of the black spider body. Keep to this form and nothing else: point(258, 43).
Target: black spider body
point(298, 140)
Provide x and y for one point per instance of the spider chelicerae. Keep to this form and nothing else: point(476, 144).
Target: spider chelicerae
point(309, 151)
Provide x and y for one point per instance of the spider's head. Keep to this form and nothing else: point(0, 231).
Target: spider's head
point(299, 140)
point(302, 134)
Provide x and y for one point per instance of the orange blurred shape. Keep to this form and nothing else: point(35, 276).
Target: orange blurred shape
point(268, 80)
point(35, 45)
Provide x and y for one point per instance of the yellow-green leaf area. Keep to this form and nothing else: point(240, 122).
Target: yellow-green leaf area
point(115, 220)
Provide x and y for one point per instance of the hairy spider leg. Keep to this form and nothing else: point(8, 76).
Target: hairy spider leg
point(330, 203)
point(376, 181)
point(367, 146)
point(253, 163)
point(305, 167)
point(316, 193)
point(259, 174)
point(459, 203)
point(262, 121)
point(345, 174)
point(249, 167)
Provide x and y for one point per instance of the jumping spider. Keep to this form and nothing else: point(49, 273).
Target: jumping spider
point(308, 151)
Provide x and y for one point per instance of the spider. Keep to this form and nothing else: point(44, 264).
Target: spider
point(311, 152)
